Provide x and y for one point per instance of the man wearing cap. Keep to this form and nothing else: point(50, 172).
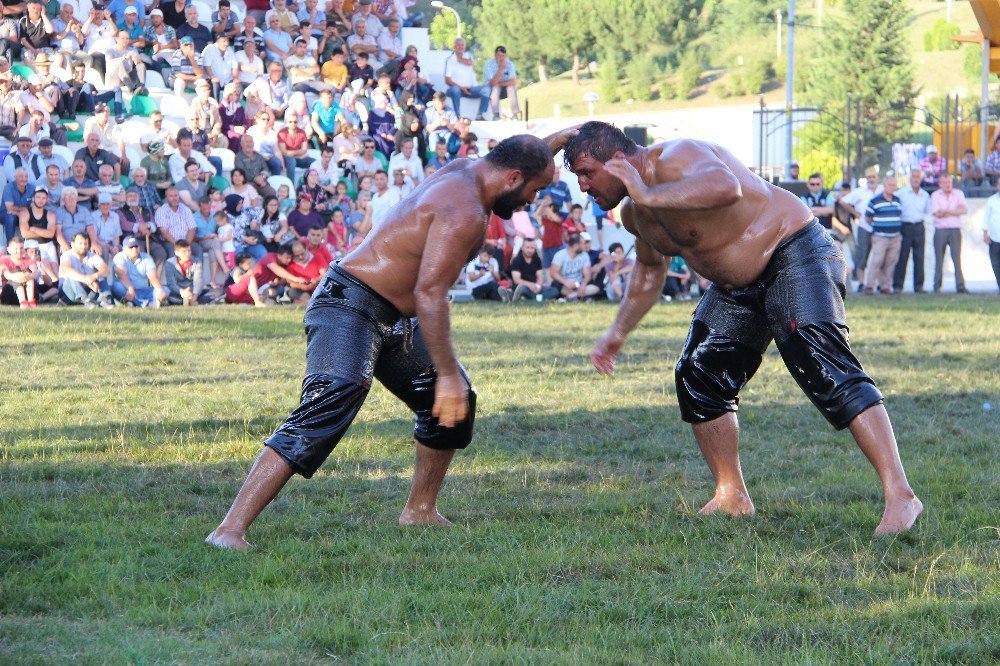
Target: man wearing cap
point(933, 167)
point(107, 228)
point(130, 24)
point(35, 31)
point(219, 62)
point(119, 9)
point(303, 71)
point(49, 158)
point(72, 218)
point(38, 223)
point(224, 21)
point(93, 156)
point(23, 158)
point(373, 26)
point(501, 76)
point(162, 39)
point(199, 34)
point(138, 282)
point(249, 66)
point(185, 66)
point(124, 67)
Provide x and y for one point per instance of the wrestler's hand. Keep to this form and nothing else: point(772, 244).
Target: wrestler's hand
point(557, 141)
point(451, 400)
point(629, 175)
point(605, 350)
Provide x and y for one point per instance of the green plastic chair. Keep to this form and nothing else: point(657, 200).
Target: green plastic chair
point(125, 181)
point(219, 182)
point(73, 135)
point(143, 105)
point(22, 70)
point(383, 159)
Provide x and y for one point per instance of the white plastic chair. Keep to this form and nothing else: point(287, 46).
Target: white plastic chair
point(277, 181)
point(227, 156)
point(172, 105)
point(64, 152)
point(204, 13)
point(91, 76)
point(154, 80)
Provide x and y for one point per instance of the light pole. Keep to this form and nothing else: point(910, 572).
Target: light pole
point(437, 4)
point(790, 84)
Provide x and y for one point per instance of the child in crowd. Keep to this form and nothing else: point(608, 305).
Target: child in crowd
point(224, 234)
point(217, 201)
point(336, 233)
point(341, 198)
point(242, 287)
point(285, 203)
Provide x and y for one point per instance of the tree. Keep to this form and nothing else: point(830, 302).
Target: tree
point(443, 29)
point(609, 72)
point(864, 52)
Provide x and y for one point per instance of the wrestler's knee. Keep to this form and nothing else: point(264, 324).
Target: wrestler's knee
point(820, 359)
point(711, 372)
point(430, 433)
point(314, 428)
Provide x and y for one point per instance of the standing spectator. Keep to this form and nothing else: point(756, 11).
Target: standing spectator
point(137, 280)
point(884, 213)
point(993, 163)
point(460, 78)
point(947, 207)
point(483, 275)
point(856, 203)
point(819, 200)
point(18, 275)
point(933, 167)
point(501, 77)
point(83, 276)
point(991, 231)
point(570, 271)
point(174, 221)
point(972, 169)
point(182, 276)
point(618, 270)
point(552, 230)
point(916, 204)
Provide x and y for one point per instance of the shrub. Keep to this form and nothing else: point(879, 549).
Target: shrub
point(642, 73)
point(609, 73)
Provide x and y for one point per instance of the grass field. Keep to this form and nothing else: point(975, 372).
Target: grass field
point(124, 436)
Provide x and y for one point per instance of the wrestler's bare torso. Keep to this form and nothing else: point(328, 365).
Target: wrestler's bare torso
point(730, 245)
point(389, 258)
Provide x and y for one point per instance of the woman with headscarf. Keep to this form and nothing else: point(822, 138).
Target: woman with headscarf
point(408, 79)
point(381, 126)
point(247, 236)
point(411, 126)
point(320, 197)
point(234, 116)
point(273, 224)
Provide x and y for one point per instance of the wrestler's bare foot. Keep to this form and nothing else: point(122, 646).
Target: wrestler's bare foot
point(899, 516)
point(224, 539)
point(423, 517)
point(732, 501)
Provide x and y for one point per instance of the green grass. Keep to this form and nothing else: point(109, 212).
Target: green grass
point(124, 436)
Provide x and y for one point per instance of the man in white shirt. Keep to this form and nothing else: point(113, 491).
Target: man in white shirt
point(916, 206)
point(390, 44)
point(219, 62)
point(384, 198)
point(460, 78)
point(406, 160)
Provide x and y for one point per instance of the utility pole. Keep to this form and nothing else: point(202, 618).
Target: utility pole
point(789, 85)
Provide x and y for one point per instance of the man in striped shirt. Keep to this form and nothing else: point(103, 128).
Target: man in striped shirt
point(885, 214)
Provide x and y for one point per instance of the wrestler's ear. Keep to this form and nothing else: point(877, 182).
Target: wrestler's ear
point(514, 178)
point(619, 155)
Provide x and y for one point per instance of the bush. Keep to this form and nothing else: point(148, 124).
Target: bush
point(609, 73)
point(689, 73)
point(939, 37)
point(642, 73)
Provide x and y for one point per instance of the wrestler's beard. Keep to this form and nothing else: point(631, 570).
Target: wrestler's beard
point(508, 202)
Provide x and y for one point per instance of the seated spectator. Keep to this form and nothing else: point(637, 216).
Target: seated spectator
point(325, 118)
point(441, 121)
point(36, 33)
point(48, 158)
point(191, 29)
point(348, 147)
point(239, 185)
point(334, 72)
point(192, 188)
point(303, 70)
point(242, 286)
point(337, 234)
point(277, 42)
point(83, 276)
point(38, 223)
point(36, 128)
point(156, 175)
point(460, 77)
point(133, 214)
point(363, 42)
point(254, 165)
point(409, 81)
point(47, 273)
point(993, 162)
point(483, 275)
point(316, 242)
point(182, 276)
point(73, 219)
point(93, 156)
point(598, 260)
point(219, 62)
point(174, 221)
point(232, 116)
point(400, 184)
point(382, 126)
point(618, 270)
point(570, 271)
point(173, 12)
point(273, 275)
point(107, 228)
point(224, 21)
point(17, 196)
point(527, 275)
point(248, 34)
point(185, 66)
point(440, 159)
point(933, 167)
point(972, 169)
point(318, 193)
point(148, 194)
point(293, 146)
point(161, 39)
point(390, 44)
point(678, 283)
point(288, 22)
point(383, 91)
point(107, 185)
point(247, 233)
point(18, 273)
point(308, 269)
point(111, 140)
point(186, 152)
point(327, 172)
point(206, 238)
point(265, 139)
point(203, 116)
point(249, 66)
point(165, 132)
point(407, 161)
point(361, 71)
point(137, 282)
point(23, 157)
point(303, 217)
point(125, 68)
point(501, 77)
point(573, 224)
point(86, 188)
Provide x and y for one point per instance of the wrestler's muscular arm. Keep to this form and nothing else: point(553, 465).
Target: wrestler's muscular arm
point(687, 175)
point(643, 292)
point(449, 241)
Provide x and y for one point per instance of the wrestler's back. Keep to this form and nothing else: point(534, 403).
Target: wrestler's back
point(389, 258)
point(730, 245)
